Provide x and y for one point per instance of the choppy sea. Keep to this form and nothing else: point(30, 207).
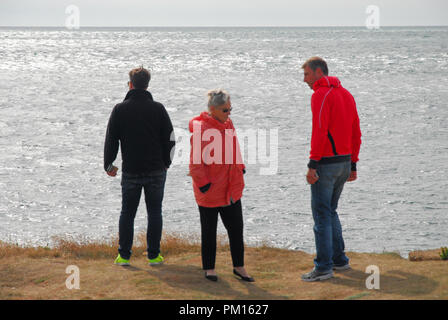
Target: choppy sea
point(58, 87)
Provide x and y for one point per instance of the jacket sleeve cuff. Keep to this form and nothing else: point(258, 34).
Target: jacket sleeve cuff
point(353, 166)
point(312, 164)
point(205, 188)
point(109, 167)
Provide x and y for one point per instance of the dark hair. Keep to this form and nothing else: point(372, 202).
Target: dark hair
point(316, 62)
point(139, 77)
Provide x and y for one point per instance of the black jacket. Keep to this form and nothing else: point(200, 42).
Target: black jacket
point(145, 132)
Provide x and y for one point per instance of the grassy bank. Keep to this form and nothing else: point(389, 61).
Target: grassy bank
point(39, 273)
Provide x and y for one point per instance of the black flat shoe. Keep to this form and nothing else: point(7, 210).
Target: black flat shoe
point(211, 277)
point(248, 279)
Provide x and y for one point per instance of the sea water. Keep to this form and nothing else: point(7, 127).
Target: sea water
point(58, 87)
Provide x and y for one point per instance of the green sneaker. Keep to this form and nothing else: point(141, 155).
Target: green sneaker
point(121, 262)
point(156, 261)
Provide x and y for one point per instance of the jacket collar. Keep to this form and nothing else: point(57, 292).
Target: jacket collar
point(205, 117)
point(138, 94)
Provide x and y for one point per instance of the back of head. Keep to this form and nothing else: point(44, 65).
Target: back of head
point(217, 97)
point(316, 62)
point(139, 78)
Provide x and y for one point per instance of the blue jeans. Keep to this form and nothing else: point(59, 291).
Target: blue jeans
point(325, 195)
point(131, 187)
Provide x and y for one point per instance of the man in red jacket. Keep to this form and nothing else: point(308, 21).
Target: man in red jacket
point(335, 144)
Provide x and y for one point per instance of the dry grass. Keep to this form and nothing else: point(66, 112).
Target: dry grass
point(39, 273)
point(69, 247)
point(425, 255)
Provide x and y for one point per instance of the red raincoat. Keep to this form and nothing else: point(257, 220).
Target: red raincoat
point(217, 160)
point(336, 128)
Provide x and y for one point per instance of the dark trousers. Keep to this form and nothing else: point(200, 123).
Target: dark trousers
point(232, 218)
point(131, 187)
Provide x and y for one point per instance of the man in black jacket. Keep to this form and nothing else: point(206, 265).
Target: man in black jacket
point(144, 130)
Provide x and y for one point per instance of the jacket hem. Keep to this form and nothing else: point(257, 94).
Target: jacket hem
point(328, 160)
point(215, 205)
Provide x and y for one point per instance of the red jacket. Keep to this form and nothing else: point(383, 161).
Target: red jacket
point(225, 171)
point(336, 133)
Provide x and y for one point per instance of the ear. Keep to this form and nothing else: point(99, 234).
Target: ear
point(131, 86)
point(319, 72)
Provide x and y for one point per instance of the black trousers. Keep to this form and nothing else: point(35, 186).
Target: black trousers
point(232, 218)
point(131, 187)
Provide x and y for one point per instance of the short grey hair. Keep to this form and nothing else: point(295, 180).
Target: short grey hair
point(217, 97)
point(316, 62)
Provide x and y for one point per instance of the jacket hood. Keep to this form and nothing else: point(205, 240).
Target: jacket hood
point(327, 82)
point(205, 117)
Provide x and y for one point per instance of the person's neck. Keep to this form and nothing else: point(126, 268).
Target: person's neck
point(132, 88)
point(319, 78)
point(216, 118)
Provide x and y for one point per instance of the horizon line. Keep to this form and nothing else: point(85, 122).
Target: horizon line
point(236, 26)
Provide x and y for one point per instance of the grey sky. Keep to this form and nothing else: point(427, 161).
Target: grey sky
point(223, 13)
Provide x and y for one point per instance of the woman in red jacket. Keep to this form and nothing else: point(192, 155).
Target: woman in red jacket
point(217, 171)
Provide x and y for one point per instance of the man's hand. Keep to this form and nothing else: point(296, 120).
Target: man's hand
point(312, 176)
point(353, 176)
point(112, 172)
